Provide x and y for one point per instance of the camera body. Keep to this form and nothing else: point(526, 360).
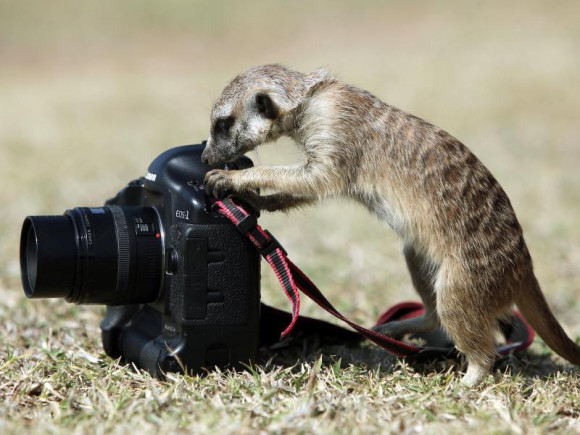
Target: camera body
point(183, 289)
point(208, 310)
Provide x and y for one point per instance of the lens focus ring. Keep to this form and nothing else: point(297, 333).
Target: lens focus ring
point(123, 248)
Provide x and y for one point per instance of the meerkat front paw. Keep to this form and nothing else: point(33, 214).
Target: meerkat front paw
point(217, 181)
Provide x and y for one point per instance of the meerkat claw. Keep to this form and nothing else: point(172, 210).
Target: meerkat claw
point(217, 181)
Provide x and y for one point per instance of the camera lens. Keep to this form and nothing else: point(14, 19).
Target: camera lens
point(44, 239)
point(106, 255)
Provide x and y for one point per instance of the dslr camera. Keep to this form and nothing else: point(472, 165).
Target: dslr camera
point(181, 284)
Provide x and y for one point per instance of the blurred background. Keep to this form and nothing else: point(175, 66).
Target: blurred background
point(91, 92)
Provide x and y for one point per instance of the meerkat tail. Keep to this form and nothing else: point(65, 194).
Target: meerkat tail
point(534, 307)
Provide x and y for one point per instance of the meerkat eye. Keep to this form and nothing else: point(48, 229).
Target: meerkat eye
point(266, 106)
point(223, 125)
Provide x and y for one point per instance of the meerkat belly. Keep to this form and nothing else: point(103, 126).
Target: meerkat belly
point(387, 210)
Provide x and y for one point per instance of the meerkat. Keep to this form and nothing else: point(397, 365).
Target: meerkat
point(463, 245)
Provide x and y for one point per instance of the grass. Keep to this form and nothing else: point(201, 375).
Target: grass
point(90, 95)
point(64, 382)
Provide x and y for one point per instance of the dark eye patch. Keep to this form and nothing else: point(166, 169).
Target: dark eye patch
point(223, 125)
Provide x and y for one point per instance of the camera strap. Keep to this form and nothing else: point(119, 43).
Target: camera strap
point(517, 331)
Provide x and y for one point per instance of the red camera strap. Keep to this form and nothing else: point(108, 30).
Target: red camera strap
point(291, 277)
point(519, 334)
point(270, 249)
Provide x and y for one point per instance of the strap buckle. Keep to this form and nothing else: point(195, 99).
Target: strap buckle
point(271, 246)
point(247, 224)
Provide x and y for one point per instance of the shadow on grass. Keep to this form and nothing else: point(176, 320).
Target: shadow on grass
point(313, 338)
point(532, 365)
point(525, 364)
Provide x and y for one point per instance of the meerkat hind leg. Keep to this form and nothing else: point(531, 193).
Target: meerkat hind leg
point(421, 276)
point(472, 329)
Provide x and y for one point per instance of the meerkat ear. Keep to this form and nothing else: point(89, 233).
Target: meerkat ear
point(266, 106)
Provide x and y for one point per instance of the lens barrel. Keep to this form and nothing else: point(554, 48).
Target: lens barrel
point(106, 255)
point(48, 256)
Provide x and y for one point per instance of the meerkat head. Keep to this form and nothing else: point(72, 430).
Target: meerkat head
point(254, 108)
